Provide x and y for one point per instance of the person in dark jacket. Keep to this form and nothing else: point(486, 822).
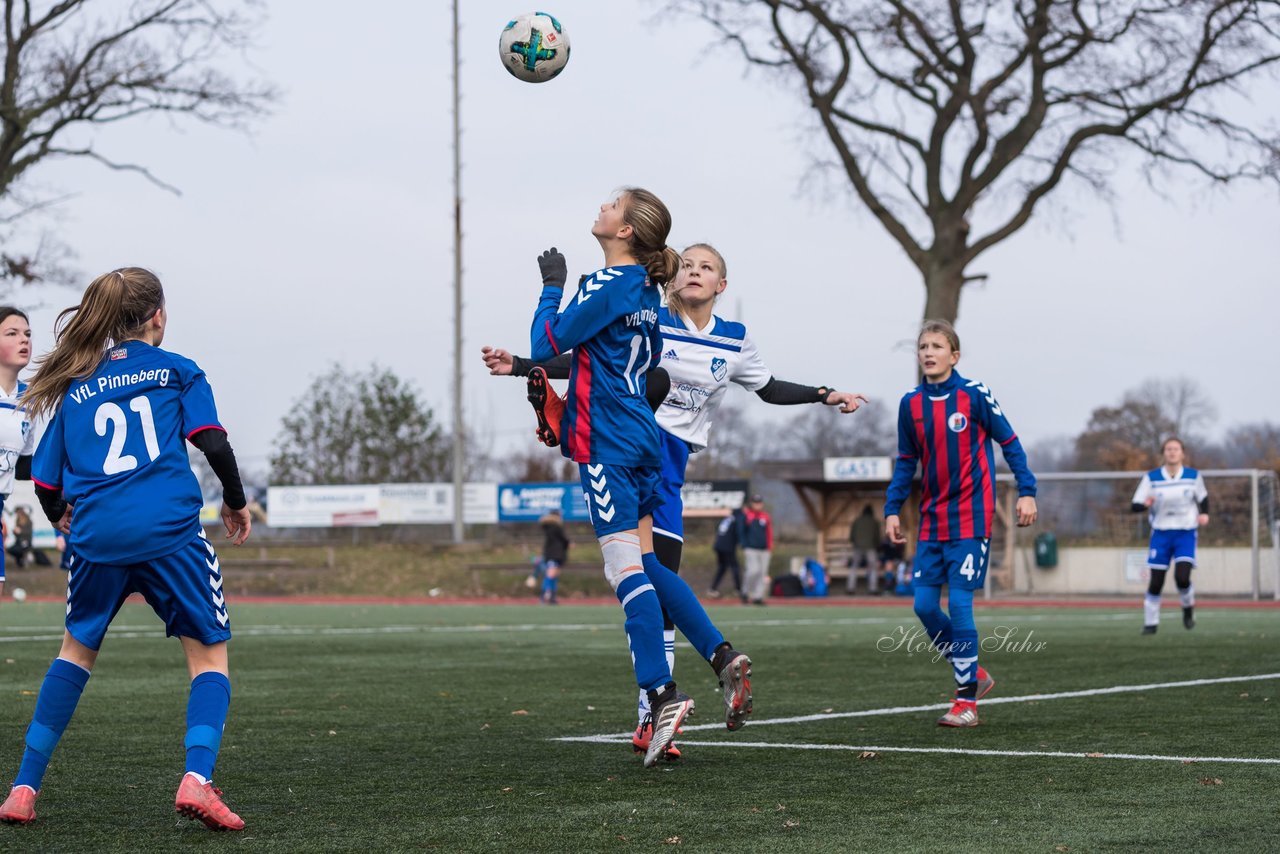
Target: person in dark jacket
point(555, 551)
point(726, 549)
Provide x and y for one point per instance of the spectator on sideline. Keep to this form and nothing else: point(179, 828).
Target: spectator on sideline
point(726, 549)
point(755, 531)
point(864, 537)
point(555, 552)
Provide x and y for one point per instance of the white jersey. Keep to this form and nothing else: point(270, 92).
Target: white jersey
point(17, 438)
point(1177, 498)
point(702, 363)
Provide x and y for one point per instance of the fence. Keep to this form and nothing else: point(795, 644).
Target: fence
point(1102, 543)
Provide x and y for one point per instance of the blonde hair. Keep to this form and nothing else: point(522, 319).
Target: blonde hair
point(724, 268)
point(650, 223)
point(115, 307)
point(944, 329)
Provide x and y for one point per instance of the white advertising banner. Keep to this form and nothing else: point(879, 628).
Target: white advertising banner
point(322, 506)
point(432, 503)
point(857, 468)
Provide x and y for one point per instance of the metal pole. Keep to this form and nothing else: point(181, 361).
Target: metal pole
point(459, 449)
point(1253, 534)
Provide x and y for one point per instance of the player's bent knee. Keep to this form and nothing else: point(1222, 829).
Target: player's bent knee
point(621, 556)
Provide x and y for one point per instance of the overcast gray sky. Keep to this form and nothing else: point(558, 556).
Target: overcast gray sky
point(327, 235)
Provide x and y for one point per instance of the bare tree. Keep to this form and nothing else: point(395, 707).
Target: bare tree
point(818, 431)
point(1129, 436)
point(76, 66)
point(952, 121)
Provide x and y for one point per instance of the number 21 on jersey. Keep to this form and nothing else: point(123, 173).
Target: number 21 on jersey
point(110, 417)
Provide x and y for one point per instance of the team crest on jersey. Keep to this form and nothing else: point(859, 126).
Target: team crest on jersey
point(719, 367)
point(119, 353)
point(956, 422)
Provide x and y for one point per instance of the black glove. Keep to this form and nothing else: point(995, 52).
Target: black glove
point(554, 269)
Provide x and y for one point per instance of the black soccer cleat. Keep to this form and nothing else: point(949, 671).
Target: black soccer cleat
point(1188, 618)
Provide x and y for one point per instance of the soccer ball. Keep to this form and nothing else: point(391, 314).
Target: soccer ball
point(19, 595)
point(534, 47)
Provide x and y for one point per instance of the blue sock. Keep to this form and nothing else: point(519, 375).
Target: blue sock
point(683, 607)
point(964, 647)
point(206, 716)
point(56, 703)
point(936, 622)
point(549, 585)
point(644, 630)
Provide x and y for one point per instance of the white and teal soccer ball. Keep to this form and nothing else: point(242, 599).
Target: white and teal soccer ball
point(19, 595)
point(534, 47)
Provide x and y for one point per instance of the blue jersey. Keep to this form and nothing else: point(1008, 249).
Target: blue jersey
point(117, 449)
point(948, 428)
point(611, 324)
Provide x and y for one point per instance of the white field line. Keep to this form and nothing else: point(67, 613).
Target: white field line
point(900, 710)
point(117, 631)
point(961, 751)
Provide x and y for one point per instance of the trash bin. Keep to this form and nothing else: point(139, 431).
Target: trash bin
point(1046, 550)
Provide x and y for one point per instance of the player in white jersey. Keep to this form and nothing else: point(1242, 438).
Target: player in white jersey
point(17, 438)
point(1177, 503)
point(701, 354)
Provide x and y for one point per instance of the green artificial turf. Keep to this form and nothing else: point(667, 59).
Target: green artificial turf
point(404, 728)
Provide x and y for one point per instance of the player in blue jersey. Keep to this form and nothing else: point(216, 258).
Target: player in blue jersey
point(702, 354)
point(112, 473)
point(946, 425)
point(608, 428)
point(17, 436)
point(1177, 503)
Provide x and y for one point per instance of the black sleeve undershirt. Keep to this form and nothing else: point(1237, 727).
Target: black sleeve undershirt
point(557, 368)
point(22, 471)
point(782, 393)
point(1136, 507)
point(51, 502)
point(1204, 505)
point(217, 450)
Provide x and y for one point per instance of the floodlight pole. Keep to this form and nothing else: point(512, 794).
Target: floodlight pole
point(459, 448)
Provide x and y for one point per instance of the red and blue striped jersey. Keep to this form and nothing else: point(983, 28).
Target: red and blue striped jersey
point(611, 325)
point(948, 428)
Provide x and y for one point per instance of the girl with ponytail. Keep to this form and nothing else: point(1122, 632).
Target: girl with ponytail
point(112, 474)
point(607, 427)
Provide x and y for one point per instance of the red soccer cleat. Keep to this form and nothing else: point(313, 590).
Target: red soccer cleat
point(985, 682)
point(963, 713)
point(202, 801)
point(644, 732)
point(548, 406)
point(20, 806)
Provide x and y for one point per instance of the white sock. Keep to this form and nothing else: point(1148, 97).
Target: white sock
point(1188, 596)
point(1151, 610)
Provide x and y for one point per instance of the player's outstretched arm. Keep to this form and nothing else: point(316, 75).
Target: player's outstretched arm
point(502, 363)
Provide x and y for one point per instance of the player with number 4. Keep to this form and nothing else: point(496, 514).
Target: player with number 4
point(112, 473)
point(946, 424)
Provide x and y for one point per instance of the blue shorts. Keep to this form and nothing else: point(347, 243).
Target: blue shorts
point(1170, 547)
point(183, 588)
point(618, 497)
point(958, 563)
point(668, 519)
